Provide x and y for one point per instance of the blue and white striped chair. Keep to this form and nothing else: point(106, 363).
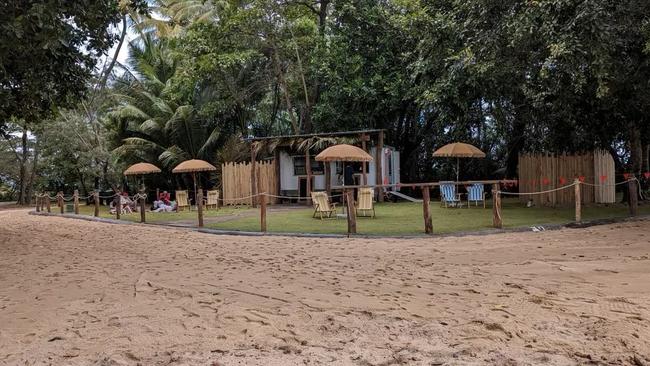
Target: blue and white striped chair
point(476, 194)
point(448, 195)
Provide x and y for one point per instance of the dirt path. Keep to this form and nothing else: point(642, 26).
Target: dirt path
point(83, 293)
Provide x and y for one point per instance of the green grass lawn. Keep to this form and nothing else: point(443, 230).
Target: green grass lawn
point(158, 217)
point(403, 218)
point(406, 219)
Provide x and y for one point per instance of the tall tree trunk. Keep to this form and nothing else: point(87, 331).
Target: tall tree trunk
point(22, 200)
point(109, 69)
point(32, 177)
point(636, 151)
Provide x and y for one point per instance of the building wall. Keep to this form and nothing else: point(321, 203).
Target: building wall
point(289, 181)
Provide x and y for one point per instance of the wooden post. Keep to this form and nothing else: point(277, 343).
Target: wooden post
point(38, 203)
point(308, 168)
point(352, 212)
point(61, 202)
point(578, 199)
point(142, 208)
point(263, 213)
point(118, 206)
point(633, 197)
point(379, 162)
point(497, 221)
point(48, 204)
point(278, 173)
point(253, 176)
point(364, 138)
point(199, 206)
point(328, 178)
point(96, 213)
point(75, 201)
point(426, 211)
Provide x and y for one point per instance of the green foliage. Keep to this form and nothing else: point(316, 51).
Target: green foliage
point(48, 51)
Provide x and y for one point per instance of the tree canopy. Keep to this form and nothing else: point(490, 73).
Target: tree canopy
point(505, 75)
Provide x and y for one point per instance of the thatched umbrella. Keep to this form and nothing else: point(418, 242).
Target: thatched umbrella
point(343, 152)
point(458, 150)
point(194, 166)
point(141, 169)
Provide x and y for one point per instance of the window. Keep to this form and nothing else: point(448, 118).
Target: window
point(299, 168)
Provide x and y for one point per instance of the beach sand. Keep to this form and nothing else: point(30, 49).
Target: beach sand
point(75, 292)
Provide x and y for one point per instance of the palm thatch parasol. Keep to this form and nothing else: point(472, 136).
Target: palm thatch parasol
point(141, 169)
point(458, 150)
point(194, 166)
point(343, 152)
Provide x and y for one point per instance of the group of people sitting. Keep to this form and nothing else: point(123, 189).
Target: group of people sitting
point(162, 204)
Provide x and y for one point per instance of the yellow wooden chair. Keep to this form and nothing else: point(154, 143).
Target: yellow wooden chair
point(181, 201)
point(322, 205)
point(213, 199)
point(365, 202)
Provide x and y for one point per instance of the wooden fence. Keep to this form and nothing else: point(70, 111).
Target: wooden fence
point(539, 173)
point(236, 182)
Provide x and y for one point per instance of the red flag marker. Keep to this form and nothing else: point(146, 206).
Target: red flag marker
point(626, 176)
point(546, 181)
point(562, 180)
point(581, 178)
point(646, 175)
point(603, 178)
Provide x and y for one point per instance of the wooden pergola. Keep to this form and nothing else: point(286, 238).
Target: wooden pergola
point(363, 136)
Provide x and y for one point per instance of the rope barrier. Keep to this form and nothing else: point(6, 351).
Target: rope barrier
point(609, 185)
point(534, 193)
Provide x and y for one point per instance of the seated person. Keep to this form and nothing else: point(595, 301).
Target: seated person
point(162, 207)
point(164, 198)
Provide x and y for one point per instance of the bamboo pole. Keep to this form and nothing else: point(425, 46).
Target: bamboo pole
point(633, 197)
point(497, 220)
point(75, 200)
point(426, 211)
point(253, 176)
point(48, 204)
point(118, 206)
point(38, 203)
point(61, 202)
point(96, 213)
point(263, 213)
point(352, 213)
point(578, 199)
point(379, 154)
point(142, 208)
point(199, 206)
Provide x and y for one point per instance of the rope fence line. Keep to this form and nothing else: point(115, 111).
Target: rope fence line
point(534, 193)
point(497, 193)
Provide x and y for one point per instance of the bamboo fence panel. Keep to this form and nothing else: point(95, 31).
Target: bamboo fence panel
point(543, 172)
point(236, 182)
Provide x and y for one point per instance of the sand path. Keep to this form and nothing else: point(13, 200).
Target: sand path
point(74, 292)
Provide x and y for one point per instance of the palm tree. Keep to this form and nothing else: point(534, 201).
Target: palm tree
point(153, 127)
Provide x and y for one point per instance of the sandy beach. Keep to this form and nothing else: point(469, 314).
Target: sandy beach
point(74, 292)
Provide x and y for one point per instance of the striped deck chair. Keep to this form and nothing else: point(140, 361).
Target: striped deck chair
point(476, 194)
point(181, 201)
point(448, 195)
point(364, 202)
point(213, 199)
point(322, 205)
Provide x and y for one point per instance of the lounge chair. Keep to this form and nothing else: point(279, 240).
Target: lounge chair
point(213, 199)
point(364, 202)
point(322, 205)
point(448, 195)
point(181, 201)
point(476, 194)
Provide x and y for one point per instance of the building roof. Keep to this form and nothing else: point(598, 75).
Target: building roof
point(321, 134)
